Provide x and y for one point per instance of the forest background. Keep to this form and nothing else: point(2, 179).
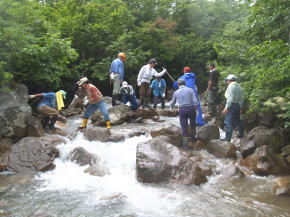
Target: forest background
point(48, 44)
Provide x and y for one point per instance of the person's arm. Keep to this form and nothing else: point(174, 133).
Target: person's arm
point(121, 69)
point(140, 75)
point(173, 101)
point(34, 95)
point(230, 95)
point(160, 74)
point(131, 90)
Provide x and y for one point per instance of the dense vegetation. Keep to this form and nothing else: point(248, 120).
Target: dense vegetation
point(47, 44)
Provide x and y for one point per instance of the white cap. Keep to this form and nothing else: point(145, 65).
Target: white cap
point(124, 84)
point(231, 78)
point(82, 80)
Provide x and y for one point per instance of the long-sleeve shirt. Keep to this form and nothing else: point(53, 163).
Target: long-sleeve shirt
point(146, 73)
point(158, 87)
point(117, 67)
point(185, 97)
point(48, 100)
point(93, 94)
point(127, 91)
point(234, 94)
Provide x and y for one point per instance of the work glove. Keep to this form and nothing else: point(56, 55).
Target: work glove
point(128, 104)
point(112, 76)
point(86, 101)
point(31, 96)
point(76, 96)
point(139, 84)
point(163, 95)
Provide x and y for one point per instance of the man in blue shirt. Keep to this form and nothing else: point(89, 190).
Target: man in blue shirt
point(117, 76)
point(158, 86)
point(190, 79)
point(187, 103)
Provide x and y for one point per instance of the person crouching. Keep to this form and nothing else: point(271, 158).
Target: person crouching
point(96, 101)
point(128, 95)
point(188, 104)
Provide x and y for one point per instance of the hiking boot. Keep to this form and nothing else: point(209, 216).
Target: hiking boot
point(185, 141)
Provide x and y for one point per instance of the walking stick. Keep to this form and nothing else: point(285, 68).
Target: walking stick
point(170, 76)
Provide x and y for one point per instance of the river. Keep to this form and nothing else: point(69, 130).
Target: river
point(68, 191)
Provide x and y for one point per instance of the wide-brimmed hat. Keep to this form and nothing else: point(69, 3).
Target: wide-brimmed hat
point(125, 84)
point(231, 78)
point(82, 80)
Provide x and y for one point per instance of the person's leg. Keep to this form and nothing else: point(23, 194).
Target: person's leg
point(104, 110)
point(124, 98)
point(147, 94)
point(134, 104)
point(183, 118)
point(116, 89)
point(192, 118)
point(237, 122)
point(229, 125)
point(156, 99)
point(162, 102)
point(142, 93)
point(88, 112)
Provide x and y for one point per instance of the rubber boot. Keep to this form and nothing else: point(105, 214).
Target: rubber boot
point(84, 124)
point(52, 122)
point(185, 141)
point(108, 123)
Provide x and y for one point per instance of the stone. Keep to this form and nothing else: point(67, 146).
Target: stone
point(285, 151)
point(282, 187)
point(82, 157)
point(57, 131)
point(71, 112)
point(221, 149)
point(206, 170)
point(246, 148)
point(5, 145)
point(261, 135)
point(288, 159)
point(265, 162)
point(159, 161)
point(207, 133)
point(97, 133)
point(96, 171)
point(266, 118)
point(170, 130)
point(232, 171)
point(197, 146)
point(15, 112)
point(34, 127)
point(116, 138)
point(31, 154)
point(167, 112)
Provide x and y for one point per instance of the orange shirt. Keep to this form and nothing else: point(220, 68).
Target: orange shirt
point(94, 95)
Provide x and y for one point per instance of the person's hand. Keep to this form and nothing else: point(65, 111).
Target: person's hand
point(225, 111)
point(163, 95)
point(139, 84)
point(31, 96)
point(76, 96)
point(170, 108)
point(86, 101)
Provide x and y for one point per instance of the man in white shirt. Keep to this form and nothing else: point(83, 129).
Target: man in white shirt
point(145, 75)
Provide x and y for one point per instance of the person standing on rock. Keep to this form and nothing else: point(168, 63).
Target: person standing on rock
point(190, 79)
point(232, 111)
point(79, 95)
point(144, 77)
point(117, 76)
point(49, 107)
point(96, 101)
point(188, 105)
point(128, 95)
point(159, 87)
point(212, 89)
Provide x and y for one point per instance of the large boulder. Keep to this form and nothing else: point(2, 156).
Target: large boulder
point(170, 130)
point(34, 127)
point(159, 161)
point(31, 154)
point(282, 186)
point(232, 171)
point(265, 162)
point(207, 133)
point(71, 112)
point(82, 157)
point(167, 112)
point(260, 136)
point(15, 113)
point(103, 134)
point(221, 149)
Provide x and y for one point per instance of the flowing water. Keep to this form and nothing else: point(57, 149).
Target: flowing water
point(68, 191)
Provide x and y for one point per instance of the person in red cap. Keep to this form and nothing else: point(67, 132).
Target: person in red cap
point(190, 79)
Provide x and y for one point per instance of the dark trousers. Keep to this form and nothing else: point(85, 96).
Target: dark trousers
point(185, 114)
point(159, 99)
point(131, 99)
point(145, 93)
point(232, 120)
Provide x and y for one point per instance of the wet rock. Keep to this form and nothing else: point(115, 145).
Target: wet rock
point(197, 146)
point(232, 171)
point(146, 113)
point(282, 187)
point(206, 170)
point(246, 148)
point(167, 112)
point(288, 159)
point(170, 130)
point(57, 131)
point(285, 151)
point(71, 112)
point(207, 133)
point(5, 145)
point(221, 149)
point(15, 112)
point(97, 133)
point(118, 115)
point(54, 140)
point(159, 161)
point(265, 162)
point(82, 157)
point(34, 127)
point(207, 117)
point(31, 154)
point(116, 138)
point(261, 135)
point(96, 171)
point(266, 118)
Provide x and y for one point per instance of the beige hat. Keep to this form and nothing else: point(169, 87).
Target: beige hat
point(82, 80)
